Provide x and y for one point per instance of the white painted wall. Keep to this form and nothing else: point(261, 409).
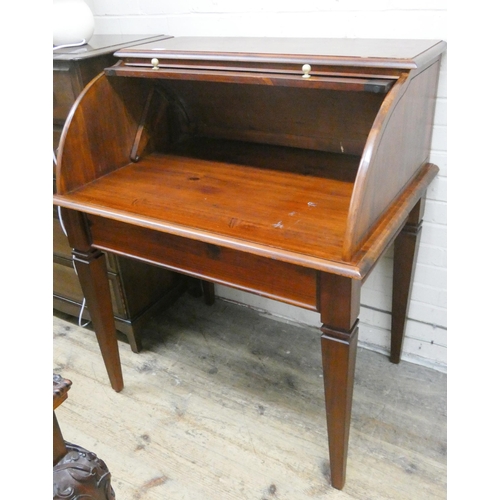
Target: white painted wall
point(426, 337)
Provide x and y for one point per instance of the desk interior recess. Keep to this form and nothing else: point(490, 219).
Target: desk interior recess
point(268, 196)
point(265, 164)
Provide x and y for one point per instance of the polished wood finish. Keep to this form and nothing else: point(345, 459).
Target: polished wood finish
point(137, 289)
point(405, 258)
point(339, 305)
point(239, 166)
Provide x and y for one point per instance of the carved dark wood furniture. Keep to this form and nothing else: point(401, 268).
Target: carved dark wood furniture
point(137, 289)
point(77, 472)
point(283, 167)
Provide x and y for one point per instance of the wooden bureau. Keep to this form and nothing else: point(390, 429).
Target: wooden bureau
point(136, 288)
point(282, 167)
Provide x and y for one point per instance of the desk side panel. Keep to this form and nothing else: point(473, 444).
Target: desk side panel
point(397, 149)
point(99, 132)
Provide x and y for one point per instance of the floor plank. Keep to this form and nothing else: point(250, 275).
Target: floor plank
point(226, 403)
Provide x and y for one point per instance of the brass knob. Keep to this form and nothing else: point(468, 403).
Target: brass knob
point(155, 63)
point(306, 69)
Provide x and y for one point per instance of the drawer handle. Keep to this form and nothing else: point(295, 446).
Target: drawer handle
point(306, 69)
point(155, 63)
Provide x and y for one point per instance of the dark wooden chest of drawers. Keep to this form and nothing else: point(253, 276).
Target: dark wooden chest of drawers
point(137, 289)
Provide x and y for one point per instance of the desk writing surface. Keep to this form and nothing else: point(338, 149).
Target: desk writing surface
point(291, 200)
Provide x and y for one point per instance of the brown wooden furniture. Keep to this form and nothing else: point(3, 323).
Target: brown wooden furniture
point(137, 289)
point(77, 472)
point(60, 388)
point(283, 167)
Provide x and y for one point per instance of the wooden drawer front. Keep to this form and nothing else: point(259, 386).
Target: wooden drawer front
point(63, 94)
point(270, 278)
point(143, 284)
point(66, 285)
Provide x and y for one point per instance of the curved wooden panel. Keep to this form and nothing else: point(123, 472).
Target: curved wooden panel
point(397, 147)
point(99, 132)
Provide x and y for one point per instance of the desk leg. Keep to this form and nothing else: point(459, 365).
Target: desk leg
point(208, 292)
point(90, 265)
point(92, 273)
point(405, 257)
point(339, 302)
point(199, 288)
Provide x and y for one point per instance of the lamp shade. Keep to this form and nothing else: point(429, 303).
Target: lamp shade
point(73, 22)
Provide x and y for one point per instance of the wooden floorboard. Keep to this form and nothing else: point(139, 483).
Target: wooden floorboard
point(226, 403)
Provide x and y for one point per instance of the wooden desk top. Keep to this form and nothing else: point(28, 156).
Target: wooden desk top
point(402, 54)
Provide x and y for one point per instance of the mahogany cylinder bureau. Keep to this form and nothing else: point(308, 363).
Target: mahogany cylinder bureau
point(282, 167)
